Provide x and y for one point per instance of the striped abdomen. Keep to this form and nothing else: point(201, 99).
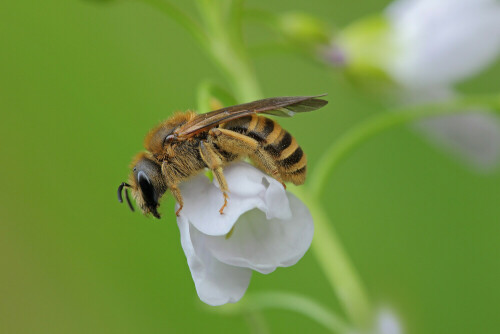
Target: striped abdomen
point(275, 146)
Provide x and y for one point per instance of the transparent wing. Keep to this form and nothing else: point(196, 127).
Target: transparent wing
point(278, 106)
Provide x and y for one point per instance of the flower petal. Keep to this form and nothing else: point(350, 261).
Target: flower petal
point(263, 244)
point(438, 40)
point(249, 188)
point(388, 323)
point(216, 283)
point(475, 137)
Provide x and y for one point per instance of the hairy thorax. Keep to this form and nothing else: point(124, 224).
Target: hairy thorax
point(185, 160)
point(154, 141)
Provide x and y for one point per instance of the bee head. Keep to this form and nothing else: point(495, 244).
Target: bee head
point(147, 184)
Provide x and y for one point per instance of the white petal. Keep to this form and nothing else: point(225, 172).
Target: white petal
point(442, 42)
point(388, 323)
point(261, 243)
point(412, 9)
point(249, 188)
point(475, 137)
point(216, 283)
point(245, 181)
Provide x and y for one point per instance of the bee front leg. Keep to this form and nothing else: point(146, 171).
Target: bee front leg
point(215, 163)
point(178, 197)
point(171, 182)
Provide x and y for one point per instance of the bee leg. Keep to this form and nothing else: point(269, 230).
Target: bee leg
point(221, 210)
point(215, 163)
point(267, 163)
point(178, 197)
point(235, 142)
point(223, 186)
point(167, 171)
point(277, 176)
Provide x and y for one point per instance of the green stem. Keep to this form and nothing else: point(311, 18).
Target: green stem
point(336, 265)
point(257, 323)
point(222, 40)
point(181, 18)
point(292, 302)
point(326, 245)
point(379, 123)
point(226, 46)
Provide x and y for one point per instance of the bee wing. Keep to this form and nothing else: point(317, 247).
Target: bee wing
point(278, 106)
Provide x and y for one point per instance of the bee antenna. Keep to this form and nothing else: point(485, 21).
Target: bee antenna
point(128, 201)
point(120, 191)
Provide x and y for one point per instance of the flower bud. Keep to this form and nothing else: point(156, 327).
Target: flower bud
point(363, 50)
point(304, 29)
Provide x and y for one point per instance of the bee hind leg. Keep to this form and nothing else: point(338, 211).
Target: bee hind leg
point(267, 163)
point(215, 163)
point(235, 142)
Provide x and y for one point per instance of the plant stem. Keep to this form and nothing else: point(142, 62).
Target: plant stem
point(379, 123)
point(181, 18)
point(292, 302)
point(336, 265)
point(222, 39)
point(227, 48)
point(326, 245)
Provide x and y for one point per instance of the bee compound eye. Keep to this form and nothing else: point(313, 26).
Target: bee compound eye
point(147, 188)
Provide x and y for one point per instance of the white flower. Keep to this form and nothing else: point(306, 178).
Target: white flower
point(262, 228)
point(422, 43)
point(442, 42)
point(387, 323)
point(473, 137)
point(439, 43)
point(425, 47)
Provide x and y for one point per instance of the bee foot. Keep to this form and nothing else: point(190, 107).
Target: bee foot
point(221, 211)
point(178, 210)
point(276, 175)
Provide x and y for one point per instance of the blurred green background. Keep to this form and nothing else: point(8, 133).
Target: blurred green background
point(80, 85)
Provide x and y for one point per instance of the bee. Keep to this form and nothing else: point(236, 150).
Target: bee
point(187, 143)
